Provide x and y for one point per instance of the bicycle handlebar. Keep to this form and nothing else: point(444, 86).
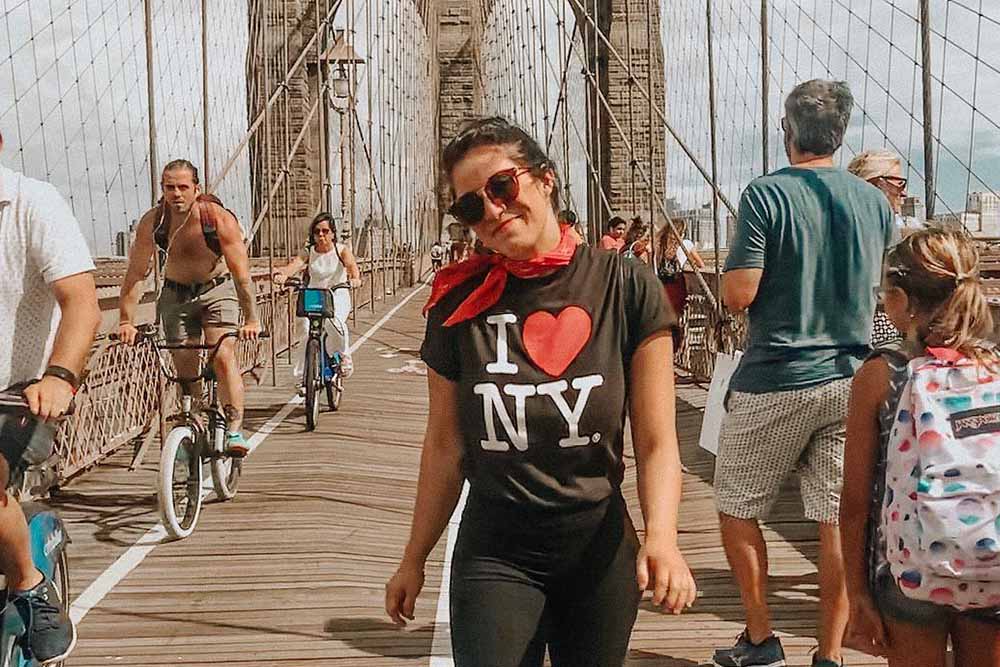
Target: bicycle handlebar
point(148, 332)
point(296, 283)
point(15, 402)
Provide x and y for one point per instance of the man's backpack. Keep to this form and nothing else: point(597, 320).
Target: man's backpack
point(941, 510)
point(209, 224)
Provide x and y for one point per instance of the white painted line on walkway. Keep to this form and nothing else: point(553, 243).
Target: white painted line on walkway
point(134, 555)
point(441, 642)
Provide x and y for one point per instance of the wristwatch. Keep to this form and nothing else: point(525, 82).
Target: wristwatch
point(63, 374)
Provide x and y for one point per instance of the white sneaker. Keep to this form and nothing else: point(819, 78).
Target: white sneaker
point(346, 366)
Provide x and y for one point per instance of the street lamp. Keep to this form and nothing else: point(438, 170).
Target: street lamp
point(341, 61)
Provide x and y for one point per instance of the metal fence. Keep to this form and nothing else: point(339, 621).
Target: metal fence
point(119, 401)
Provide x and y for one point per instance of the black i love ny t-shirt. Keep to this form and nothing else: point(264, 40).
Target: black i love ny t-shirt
point(542, 378)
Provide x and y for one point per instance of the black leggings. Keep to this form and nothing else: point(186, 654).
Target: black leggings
point(567, 582)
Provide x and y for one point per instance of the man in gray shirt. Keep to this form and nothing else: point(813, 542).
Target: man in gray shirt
point(805, 260)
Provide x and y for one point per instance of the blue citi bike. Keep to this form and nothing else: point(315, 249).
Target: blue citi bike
point(321, 371)
point(47, 532)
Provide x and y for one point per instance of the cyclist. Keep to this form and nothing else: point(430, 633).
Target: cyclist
point(328, 263)
point(207, 283)
point(47, 296)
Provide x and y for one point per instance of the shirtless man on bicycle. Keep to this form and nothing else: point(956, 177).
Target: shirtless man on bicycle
point(206, 284)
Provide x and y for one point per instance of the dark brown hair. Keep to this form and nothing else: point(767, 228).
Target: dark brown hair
point(317, 221)
point(497, 131)
point(939, 272)
point(183, 164)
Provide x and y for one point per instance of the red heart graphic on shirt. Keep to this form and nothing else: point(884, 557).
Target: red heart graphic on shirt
point(553, 342)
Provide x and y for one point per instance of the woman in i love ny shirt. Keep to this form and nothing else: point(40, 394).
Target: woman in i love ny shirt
point(536, 352)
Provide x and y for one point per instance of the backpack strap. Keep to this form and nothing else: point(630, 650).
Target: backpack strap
point(161, 227)
point(209, 224)
point(899, 375)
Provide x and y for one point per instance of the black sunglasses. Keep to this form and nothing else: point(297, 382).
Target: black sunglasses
point(502, 188)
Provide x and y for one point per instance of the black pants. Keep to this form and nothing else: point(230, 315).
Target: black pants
point(520, 584)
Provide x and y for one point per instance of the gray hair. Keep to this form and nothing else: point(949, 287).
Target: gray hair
point(817, 113)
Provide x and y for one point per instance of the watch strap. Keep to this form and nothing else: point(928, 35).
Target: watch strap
point(63, 374)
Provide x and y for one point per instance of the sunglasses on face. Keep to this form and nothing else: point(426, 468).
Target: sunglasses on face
point(322, 231)
point(502, 189)
point(897, 182)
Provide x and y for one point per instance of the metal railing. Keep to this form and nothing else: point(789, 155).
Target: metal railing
point(117, 404)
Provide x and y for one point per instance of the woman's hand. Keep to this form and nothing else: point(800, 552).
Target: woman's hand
point(402, 590)
point(661, 568)
point(355, 283)
point(866, 630)
point(279, 278)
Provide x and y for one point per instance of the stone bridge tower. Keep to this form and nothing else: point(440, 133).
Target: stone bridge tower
point(611, 30)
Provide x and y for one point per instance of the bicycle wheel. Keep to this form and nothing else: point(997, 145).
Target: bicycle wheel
point(179, 493)
point(225, 471)
point(335, 391)
point(60, 576)
point(312, 376)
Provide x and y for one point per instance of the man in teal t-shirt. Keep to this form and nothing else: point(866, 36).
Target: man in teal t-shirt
point(817, 234)
point(805, 260)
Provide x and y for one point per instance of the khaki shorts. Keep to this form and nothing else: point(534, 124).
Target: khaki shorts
point(187, 310)
point(765, 437)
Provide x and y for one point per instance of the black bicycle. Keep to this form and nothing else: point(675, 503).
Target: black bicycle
point(197, 439)
point(320, 370)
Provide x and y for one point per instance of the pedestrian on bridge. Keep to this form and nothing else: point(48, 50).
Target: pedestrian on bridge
point(535, 352)
point(615, 238)
point(806, 257)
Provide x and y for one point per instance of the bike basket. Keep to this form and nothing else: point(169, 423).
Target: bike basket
point(315, 302)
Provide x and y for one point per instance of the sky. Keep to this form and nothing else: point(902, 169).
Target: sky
point(871, 44)
point(74, 108)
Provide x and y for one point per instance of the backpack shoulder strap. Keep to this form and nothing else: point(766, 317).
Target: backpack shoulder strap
point(209, 222)
point(161, 226)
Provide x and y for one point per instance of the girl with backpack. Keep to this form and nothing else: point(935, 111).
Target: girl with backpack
point(921, 497)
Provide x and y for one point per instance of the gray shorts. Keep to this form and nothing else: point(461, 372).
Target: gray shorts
point(765, 437)
point(893, 603)
point(186, 310)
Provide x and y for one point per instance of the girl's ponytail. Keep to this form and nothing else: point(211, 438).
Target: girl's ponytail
point(939, 272)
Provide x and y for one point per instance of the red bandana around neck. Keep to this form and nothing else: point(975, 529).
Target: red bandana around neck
point(499, 267)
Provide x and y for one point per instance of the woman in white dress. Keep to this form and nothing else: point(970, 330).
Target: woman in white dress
point(329, 263)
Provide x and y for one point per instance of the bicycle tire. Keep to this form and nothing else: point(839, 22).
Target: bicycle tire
point(180, 478)
point(226, 472)
point(312, 379)
point(335, 391)
point(60, 576)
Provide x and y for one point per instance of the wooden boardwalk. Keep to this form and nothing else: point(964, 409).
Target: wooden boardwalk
point(292, 571)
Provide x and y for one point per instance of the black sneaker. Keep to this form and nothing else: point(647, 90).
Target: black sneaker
point(51, 633)
point(744, 653)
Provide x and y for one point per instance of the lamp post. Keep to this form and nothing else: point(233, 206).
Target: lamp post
point(341, 62)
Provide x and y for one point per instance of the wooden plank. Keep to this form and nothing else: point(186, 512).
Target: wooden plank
point(292, 571)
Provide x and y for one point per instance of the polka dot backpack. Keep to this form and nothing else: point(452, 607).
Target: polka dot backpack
point(941, 510)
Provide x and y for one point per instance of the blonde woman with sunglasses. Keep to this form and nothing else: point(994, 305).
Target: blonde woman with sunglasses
point(884, 170)
point(535, 351)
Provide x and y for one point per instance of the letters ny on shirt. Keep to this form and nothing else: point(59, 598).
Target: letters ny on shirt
point(516, 429)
